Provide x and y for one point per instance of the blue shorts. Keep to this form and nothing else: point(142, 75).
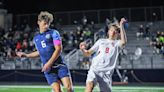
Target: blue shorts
point(55, 74)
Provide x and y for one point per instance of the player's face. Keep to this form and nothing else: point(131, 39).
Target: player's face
point(43, 25)
point(112, 32)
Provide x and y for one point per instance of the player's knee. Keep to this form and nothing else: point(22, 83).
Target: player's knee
point(56, 87)
point(56, 90)
point(89, 87)
point(90, 84)
point(68, 87)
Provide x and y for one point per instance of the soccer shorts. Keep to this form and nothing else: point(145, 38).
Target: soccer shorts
point(55, 74)
point(104, 79)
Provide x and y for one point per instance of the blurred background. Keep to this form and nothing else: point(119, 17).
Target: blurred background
point(140, 62)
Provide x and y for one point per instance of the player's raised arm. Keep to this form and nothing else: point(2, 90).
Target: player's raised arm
point(122, 32)
point(82, 47)
point(30, 55)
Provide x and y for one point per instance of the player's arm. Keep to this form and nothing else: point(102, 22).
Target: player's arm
point(122, 32)
point(30, 55)
point(55, 55)
point(58, 49)
point(82, 46)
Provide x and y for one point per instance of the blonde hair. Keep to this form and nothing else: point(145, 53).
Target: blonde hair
point(115, 26)
point(46, 16)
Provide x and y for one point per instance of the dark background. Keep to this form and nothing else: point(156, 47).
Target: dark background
point(142, 76)
point(31, 6)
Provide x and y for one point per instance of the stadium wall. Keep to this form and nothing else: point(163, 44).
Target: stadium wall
point(79, 76)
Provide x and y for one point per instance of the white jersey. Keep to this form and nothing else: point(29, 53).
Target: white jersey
point(107, 52)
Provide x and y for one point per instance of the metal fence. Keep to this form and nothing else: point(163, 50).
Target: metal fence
point(99, 16)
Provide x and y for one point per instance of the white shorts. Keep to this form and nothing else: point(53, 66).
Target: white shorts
point(104, 79)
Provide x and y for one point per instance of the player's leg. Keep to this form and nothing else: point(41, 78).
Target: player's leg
point(67, 84)
point(89, 86)
point(91, 81)
point(105, 85)
point(56, 86)
point(105, 81)
point(53, 80)
point(65, 77)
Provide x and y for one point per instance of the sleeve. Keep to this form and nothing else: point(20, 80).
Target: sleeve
point(56, 38)
point(118, 43)
point(95, 47)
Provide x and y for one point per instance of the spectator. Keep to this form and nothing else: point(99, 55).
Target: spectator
point(140, 32)
point(147, 32)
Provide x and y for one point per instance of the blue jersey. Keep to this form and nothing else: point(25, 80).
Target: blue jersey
point(44, 43)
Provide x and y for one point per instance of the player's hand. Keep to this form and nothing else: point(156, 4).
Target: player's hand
point(46, 67)
point(123, 20)
point(82, 45)
point(21, 54)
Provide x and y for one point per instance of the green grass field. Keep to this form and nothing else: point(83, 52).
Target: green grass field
point(6, 88)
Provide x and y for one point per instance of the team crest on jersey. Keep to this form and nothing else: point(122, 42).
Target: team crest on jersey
point(47, 36)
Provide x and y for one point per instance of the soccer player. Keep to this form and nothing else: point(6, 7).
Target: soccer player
point(49, 47)
point(104, 62)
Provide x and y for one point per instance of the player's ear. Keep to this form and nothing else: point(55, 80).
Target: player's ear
point(38, 22)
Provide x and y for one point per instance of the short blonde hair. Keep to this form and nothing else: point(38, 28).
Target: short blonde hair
point(115, 26)
point(46, 16)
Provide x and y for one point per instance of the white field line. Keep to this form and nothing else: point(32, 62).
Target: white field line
point(81, 87)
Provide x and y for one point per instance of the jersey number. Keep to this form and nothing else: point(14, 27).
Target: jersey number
point(107, 50)
point(43, 44)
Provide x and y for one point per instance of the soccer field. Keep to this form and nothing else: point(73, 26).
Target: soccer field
point(6, 88)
